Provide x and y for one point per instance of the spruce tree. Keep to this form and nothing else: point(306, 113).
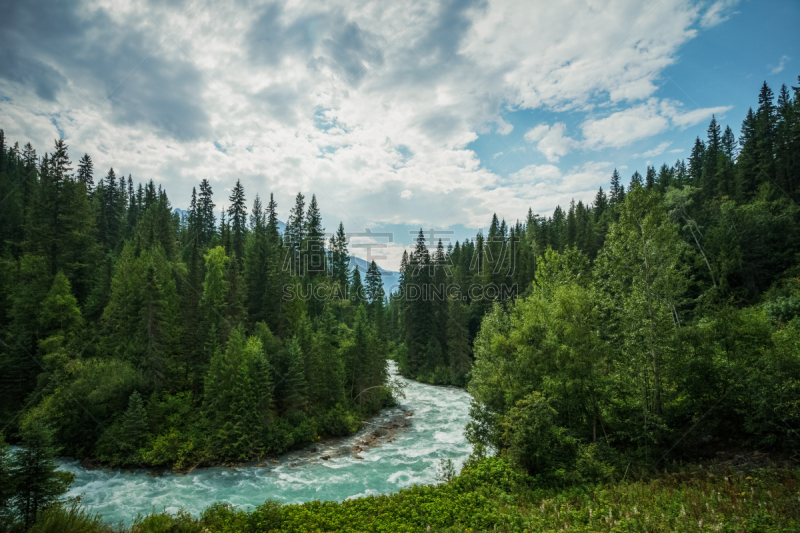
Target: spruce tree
point(34, 467)
point(256, 263)
point(617, 190)
point(206, 220)
point(237, 218)
point(340, 258)
point(314, 247)
point(458, 341)
point(86, 172)
point(294, 236)
point(696, 160)
point(134, 422)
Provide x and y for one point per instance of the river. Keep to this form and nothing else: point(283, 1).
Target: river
point(435, 432)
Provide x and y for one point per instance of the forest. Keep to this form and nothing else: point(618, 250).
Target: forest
point(658, 324)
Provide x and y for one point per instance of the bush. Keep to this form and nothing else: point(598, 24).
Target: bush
point(339, 421)
point(71, 518)
point(533, 441)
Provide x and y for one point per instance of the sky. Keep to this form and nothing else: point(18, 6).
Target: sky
point(396, 115)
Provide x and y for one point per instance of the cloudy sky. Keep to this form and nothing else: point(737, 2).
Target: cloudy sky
point(432, 113)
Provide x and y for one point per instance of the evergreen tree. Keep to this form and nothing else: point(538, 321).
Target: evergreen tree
point(650, 177)
point(617, 190)
point(314, 247)
point(206, 220)
point(293, 390)
point(458, 341)
point(85, 172)
point(340, 258)
point(134, 422)
point(256, 263)
point(294, 235)
point(34, 467)
point(696, 160)
point(237, 218)
point(357, 292)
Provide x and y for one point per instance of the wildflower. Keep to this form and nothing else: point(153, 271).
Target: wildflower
point(683, 510)
point(634, 510)
point(700, 523)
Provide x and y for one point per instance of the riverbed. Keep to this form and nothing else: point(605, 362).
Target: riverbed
point(357, 466)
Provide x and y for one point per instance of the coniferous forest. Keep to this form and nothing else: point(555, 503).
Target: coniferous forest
point(614, 340)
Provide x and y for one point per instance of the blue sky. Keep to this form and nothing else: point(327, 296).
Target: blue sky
point(396, 115)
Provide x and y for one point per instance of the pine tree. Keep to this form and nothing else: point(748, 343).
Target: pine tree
point(237, 217)
point(696, 163)
point(273, 297)
point(356, 291)
point(255, 264)
point(205, 207)
point(39, 483)
point(134, 422)
point(215, 293)
point(340, 258)
point(294, 390)
point(86, 172)
point(314, 247)
point(294, 235)
point(747, 178)
point(617, 190)
point(650, 177)
point(458, 341)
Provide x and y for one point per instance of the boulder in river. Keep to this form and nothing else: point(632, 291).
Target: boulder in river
point(325, 457)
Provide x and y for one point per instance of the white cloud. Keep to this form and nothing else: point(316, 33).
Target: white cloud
point(691, 118)
point(641, 122)
point(658, 150)
point(627, 126)
point(781, 65)
point(551, 140)
point(717, 13)
point(361, 103)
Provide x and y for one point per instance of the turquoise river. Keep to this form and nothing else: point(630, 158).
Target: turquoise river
point(398, 458)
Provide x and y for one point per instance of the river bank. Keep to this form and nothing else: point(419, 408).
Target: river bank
point(385, 456)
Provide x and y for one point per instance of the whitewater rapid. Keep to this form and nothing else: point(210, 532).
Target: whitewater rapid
point(436, 432)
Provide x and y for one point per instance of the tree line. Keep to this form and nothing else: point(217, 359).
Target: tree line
point(733, 203)
point(138, 336)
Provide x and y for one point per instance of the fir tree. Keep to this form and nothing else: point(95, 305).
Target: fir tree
point(314, 247)
point(34, 467)
point(237, 218)
point(86, 172)
point(134, 422)
point(206, 219)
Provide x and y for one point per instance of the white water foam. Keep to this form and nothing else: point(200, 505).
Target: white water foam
point(436, 433)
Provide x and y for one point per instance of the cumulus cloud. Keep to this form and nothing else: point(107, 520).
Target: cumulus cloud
point(655, 116)
point(551, 140)
point(363, 103)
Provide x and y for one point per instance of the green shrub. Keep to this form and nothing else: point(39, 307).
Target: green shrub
point(71, 518)
point(532, 439)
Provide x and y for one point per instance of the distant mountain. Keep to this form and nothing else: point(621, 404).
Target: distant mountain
point(389, 277)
